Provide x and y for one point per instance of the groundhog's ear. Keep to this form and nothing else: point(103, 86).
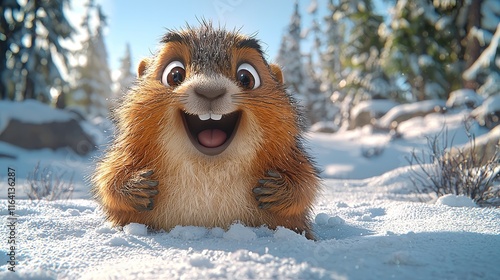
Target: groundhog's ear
point(276, 70)
point(143, 65)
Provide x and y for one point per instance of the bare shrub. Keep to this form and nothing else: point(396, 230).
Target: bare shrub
point(45, 184)
point(458, 171)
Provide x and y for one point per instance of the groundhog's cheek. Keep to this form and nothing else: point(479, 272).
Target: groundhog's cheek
point(249, 137)
point(173, 137)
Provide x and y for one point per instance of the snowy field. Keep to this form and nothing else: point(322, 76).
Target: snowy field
point(369, 224)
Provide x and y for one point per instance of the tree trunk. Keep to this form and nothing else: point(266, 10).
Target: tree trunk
point(472, 47)
point(61, 101)
point(29, 89)
point(8, 29)
point(418, 87)
point(3, 64)
point(3, 91)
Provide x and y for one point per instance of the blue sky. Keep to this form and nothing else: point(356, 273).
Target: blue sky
point(142, 23)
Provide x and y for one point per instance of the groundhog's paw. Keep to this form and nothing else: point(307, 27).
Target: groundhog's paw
point(141, 190)
point(270, 191)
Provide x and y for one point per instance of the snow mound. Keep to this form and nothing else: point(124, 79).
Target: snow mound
point(199, 260)
point(365, 112)
point(71, 212)
point(322, 219)
point(464, 97)
point(376, 107)
point(238, 232)
point(490, 107)
point(135, 229)
point(404, 112)
point(105, 229)
point(117, 241)
point(325, 219)
point(283, 233)
point(456, 201)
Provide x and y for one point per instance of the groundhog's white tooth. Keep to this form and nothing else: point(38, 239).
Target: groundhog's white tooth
point(204, 117)
point(215, 117)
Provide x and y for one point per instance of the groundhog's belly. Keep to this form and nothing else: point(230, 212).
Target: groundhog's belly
point(208, 200)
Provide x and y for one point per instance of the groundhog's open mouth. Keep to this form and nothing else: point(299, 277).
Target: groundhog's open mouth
point(211, 134)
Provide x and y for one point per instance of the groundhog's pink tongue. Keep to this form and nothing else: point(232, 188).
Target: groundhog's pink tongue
point(212, 138)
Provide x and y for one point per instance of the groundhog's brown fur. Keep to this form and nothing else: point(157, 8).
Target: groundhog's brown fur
point(157, 174)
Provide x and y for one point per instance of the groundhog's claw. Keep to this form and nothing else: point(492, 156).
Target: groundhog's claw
point(141, 191)
point(147, 174)
point(274, 174)
point(149, 207)
point(270, 190)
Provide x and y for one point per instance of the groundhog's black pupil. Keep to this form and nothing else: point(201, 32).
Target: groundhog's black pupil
point(245, 79)
point(176, 76)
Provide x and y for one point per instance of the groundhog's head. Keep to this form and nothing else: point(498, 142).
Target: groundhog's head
point(215, 92)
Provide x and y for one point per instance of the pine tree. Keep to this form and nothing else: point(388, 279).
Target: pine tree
point(365, 78)
point(333, 69)
point(317, 99)
point(290, 56)
point(30, 42)
point(9, 35)
point(316, 104)
point(472, 48)
point(91, 87)
point(126, 77)
point(331, 66)
point(421, 47)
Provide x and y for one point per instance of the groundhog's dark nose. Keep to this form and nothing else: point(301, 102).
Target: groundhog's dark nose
point(209, 92)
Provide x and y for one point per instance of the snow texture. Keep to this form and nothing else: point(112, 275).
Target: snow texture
point(368, 222)
point(370, 237)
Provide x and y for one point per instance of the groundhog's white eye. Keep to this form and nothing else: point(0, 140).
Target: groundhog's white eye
point(247, 76)
point(174, 74)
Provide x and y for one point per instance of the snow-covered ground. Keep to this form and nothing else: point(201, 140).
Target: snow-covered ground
point(369, 223)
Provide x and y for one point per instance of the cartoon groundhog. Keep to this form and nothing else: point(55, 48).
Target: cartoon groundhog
point(208, 136)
